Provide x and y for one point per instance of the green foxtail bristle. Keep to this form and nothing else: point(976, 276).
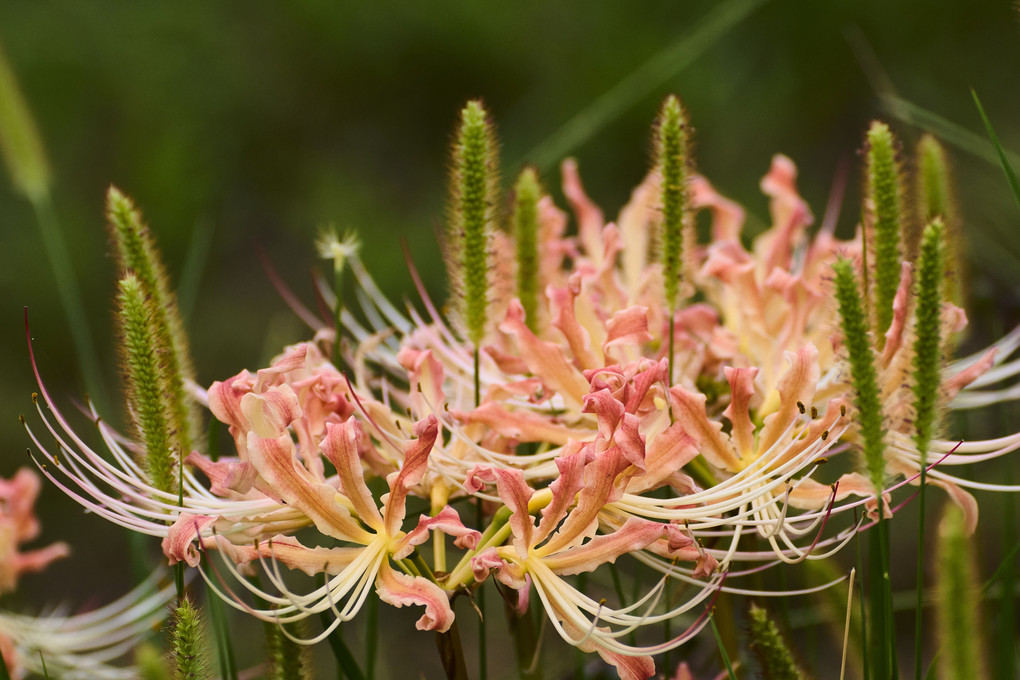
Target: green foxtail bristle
point(287, 659)
point(862, 370)
point(928, 343)
point(150, 662)
point(959, 621)
point(473, 203)
point(20, 143)
point(768, 647)
point(935, 199)
point(527, 191)
point(140, 351)
point(188, 649)
point(137, 253)
point(671, 161)
point(884, 198)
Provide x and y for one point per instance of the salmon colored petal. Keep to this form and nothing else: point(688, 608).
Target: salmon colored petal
point(665, 455)
point(564, 492)
point(289, 551)
point(515, 494)
point(796, 390)
point(282, 475)
point(271, 412)
point(225, 399)
point(894, 335)
point(739, 410)
point(812, 495)
point(727, 216)
point(341, 446)
point(522, 426)
point(447, 521)
point(402, 590)
point(589, 216)
point(602, 485)
point(561, 305)
point(425, 374)
point(177, 545)
point(416, 462)
point(689, 411)
point(230, 478)
point(545, 359)
point(627, 327)
point(952, 386)
point(635, 534)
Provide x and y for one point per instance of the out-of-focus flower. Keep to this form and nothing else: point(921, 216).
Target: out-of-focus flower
point(18, 524)
point(86, 646)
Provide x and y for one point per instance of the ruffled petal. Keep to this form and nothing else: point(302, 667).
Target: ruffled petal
point(400, 589)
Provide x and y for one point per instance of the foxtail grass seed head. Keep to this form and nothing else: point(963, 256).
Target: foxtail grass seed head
point(151, 662)
point(671, 161)
point(287, 659)
point(527, 191)
point(885, 215)
point(141, 353)
point(473, 187)
point(188, 646)
point(928, 341)
point(934, 189)
point(959, 621)
point(136, 252)
point(862, 369)
point(769, 648)
point(20, 144)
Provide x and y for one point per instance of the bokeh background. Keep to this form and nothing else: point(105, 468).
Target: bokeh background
point(246, 127)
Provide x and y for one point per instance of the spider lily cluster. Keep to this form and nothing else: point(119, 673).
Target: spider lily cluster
point(604, 391)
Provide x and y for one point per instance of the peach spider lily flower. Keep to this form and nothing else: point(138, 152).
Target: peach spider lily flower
point(119, 491)
point(564, 543)
point(83, 646)
point(375, 534)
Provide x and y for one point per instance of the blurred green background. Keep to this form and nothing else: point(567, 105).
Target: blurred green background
point(247, 126)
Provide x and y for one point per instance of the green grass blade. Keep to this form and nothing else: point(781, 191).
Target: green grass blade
point(722, 649)
point(999, 151)
point(221, 633)
point(641, 82)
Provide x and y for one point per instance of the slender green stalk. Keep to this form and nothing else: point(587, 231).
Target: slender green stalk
point(927, 358)
point(347, 665)
point(722, 649)
point(451, 652)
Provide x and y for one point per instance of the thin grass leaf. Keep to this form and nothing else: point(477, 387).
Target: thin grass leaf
point(641, 82)
point(722, 648)
point(195, 261)
point(1014, 185)
point(221, 634)
point(347, 665)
